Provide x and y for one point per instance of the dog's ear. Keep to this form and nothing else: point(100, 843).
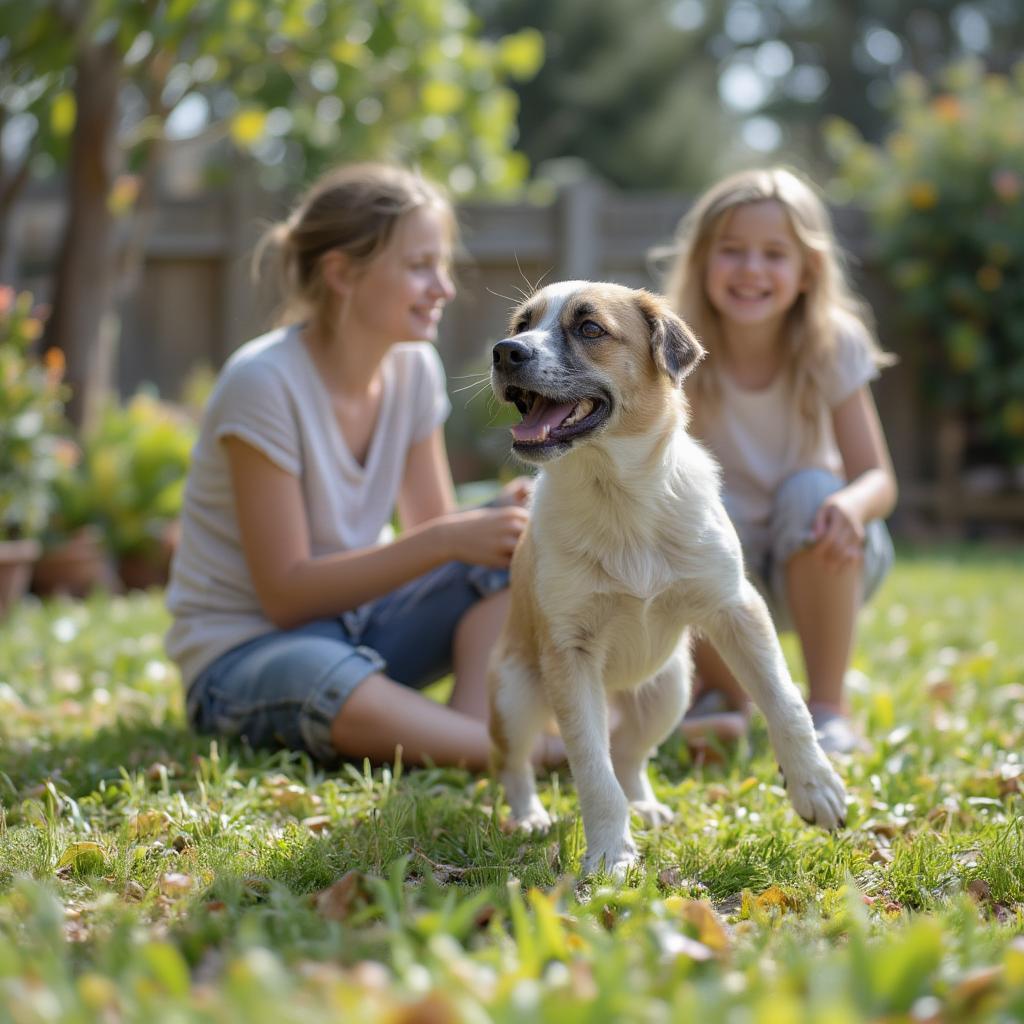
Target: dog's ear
point(674, 346)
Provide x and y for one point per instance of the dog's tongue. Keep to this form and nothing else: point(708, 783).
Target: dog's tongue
point(542, 414)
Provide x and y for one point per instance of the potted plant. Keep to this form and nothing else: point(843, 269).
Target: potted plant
point(137, 457)
point(31, 413)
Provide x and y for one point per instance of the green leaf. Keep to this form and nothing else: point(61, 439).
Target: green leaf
point(63, 112)
point(522, 53)
point(167, 967)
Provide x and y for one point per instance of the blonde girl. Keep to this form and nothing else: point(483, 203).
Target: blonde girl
point(298, 621)
point(783, 401)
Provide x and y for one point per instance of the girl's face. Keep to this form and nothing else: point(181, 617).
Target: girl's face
point(756, 268)
point(401, 293)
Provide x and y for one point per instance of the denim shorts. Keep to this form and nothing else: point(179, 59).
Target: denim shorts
point(767, 549)
point(285, 688)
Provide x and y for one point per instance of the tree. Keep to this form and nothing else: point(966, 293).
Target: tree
point(296, 83)
point(669, 93)
point(625, 88)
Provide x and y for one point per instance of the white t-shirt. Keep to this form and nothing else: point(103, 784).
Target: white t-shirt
point(270, 395)
point(758, 436)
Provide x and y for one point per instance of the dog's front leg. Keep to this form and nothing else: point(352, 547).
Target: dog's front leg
point(744, 635)
point(577, 696)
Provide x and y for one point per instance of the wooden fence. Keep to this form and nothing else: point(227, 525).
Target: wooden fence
point(196, 304)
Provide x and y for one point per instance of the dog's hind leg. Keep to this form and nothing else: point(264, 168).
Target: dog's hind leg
point(519, 712)
point(743, 634)
point(649, 714)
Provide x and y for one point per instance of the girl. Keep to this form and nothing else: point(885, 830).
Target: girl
point(783, 402)
point(298, 621)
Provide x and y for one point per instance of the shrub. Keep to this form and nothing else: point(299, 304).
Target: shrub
point(31, 415)
point(945, 195)
point(135, 460)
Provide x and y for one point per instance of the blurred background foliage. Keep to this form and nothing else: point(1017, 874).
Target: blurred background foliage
point(117, 102)
point(945, 193)
point(97, 91)
point(669, 93)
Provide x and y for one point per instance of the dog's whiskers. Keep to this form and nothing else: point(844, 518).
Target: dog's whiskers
point(482, 379)
point(484, 387)
point(500, 295)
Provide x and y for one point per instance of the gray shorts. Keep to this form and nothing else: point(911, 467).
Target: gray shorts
point(284, 689)
point(767, 548)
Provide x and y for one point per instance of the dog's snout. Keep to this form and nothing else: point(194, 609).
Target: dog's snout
point(512, 353)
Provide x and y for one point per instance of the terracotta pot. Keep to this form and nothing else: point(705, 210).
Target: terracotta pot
point(16, 560)
point(151, 568)
point(75, 567)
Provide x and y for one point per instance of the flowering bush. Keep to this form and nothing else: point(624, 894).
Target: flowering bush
point(31, 418)
point(134, 464)
point(945, 194)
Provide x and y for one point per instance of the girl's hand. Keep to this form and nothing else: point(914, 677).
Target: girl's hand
point(515, 492)
point(485, 536)
point(837, 532)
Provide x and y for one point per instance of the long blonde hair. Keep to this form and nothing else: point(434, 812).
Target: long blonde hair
point(826, 307)
point(353, 209)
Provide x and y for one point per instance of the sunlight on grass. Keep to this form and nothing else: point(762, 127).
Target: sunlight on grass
point(148, 872)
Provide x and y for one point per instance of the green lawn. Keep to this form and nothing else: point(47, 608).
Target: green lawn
point(146, 873)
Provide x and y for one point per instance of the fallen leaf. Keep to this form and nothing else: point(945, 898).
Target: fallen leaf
point(711, 929)
point(84, 857)
point(147, 823)
point(976, 984)
point(433, 1008)
point(338, 900)
point(317, 823)
point(776, 899)
point(979, 890)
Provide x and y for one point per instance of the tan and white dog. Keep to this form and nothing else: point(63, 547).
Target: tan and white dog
point(628, 547)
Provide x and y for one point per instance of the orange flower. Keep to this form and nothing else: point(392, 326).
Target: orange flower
point(947, 108)
point(6, 297)
point(53, 360)
point(922, 195)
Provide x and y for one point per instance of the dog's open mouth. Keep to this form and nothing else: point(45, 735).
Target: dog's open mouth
point(549, 421)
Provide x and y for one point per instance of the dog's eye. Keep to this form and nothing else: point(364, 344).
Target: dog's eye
point(591, 329)
point(521, 325)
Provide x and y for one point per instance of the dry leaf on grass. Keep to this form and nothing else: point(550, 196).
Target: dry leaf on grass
point(339, 900)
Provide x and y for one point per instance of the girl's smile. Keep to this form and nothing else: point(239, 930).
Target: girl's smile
point(401, 294)
point(756, 268)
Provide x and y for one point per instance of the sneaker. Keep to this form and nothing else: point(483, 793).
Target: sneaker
point(835, 733)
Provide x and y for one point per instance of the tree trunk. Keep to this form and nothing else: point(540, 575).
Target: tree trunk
point(84, 288)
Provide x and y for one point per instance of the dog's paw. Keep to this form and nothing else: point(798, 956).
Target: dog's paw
point(532, 819)
point(614, 859)
point(817, 793)
point(653, 812)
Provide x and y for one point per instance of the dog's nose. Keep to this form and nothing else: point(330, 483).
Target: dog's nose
point(512, 353)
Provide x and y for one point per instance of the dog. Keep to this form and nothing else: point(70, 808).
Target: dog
point(628, 548)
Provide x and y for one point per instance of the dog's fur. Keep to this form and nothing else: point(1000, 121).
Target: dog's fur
point(628, 546)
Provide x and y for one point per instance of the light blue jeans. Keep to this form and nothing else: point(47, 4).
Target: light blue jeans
point(766, 550)
point(284, 689)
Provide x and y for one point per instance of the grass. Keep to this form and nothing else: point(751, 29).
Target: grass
point(147, 873)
